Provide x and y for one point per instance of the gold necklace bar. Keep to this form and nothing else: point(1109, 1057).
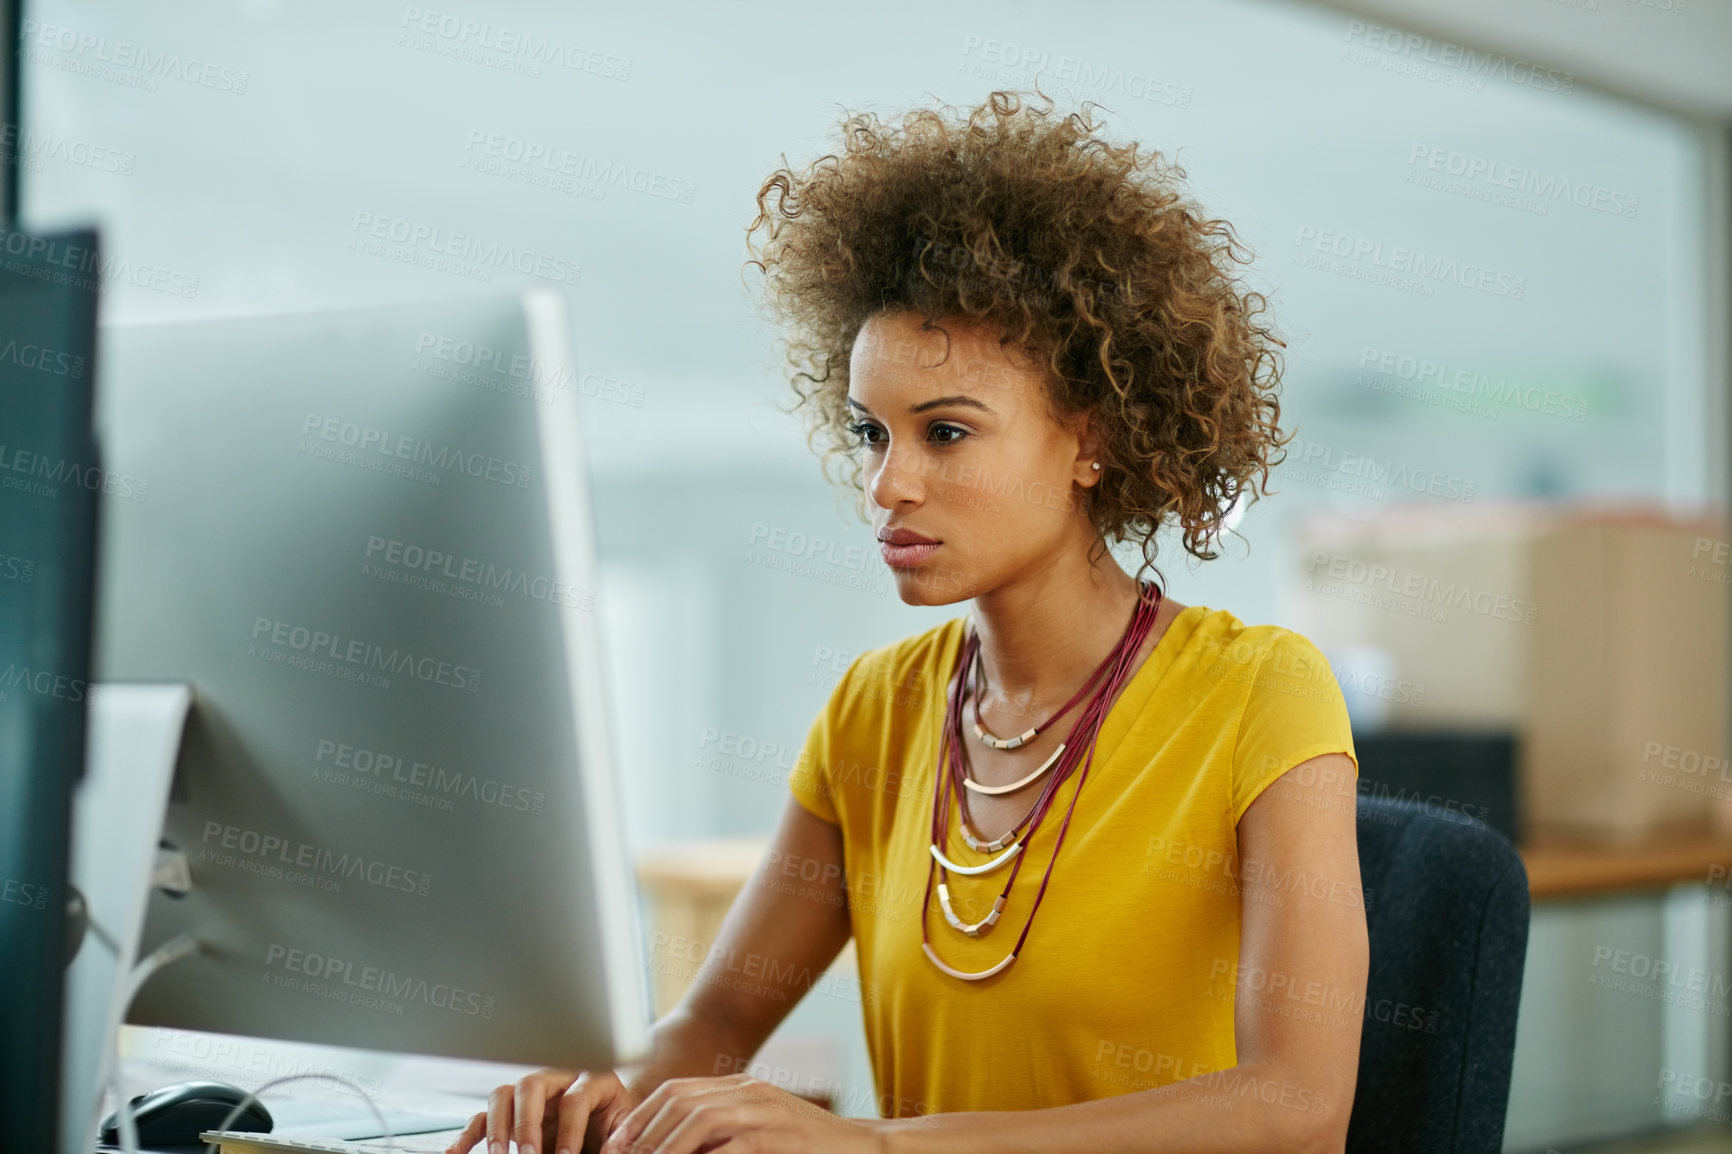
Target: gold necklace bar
point(985, 868)
point(977, 928)
point(955, 973)
point(995, 790)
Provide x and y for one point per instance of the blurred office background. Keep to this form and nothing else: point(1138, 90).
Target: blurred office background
point(314, 133)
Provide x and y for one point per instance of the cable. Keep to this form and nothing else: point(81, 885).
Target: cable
point(102, 935)
point(390, 1135)
point(178, 947)
point(170, 952)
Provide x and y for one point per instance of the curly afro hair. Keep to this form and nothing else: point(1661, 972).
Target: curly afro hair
point(1086, 254)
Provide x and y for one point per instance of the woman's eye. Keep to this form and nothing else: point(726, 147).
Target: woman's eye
point(863, 431)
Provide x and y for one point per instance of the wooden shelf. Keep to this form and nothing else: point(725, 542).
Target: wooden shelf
point(1560, 869)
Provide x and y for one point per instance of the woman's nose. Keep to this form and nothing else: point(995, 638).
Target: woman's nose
point(897, 478)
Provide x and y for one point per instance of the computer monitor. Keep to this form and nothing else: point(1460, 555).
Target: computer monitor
point(11, 119)
point(364, 539)
point(49, 477)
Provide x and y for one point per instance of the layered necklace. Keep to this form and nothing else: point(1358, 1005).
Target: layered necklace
point(953, 777)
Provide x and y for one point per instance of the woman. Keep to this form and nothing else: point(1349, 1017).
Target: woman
point(1135, 924)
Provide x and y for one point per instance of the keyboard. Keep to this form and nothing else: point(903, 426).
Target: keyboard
point(243, 1142)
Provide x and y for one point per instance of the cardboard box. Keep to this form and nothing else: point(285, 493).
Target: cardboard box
point(1598, 635)
point(1628, 681)
point(1445, 591)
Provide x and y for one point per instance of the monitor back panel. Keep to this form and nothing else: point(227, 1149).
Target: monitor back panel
point(344, 530)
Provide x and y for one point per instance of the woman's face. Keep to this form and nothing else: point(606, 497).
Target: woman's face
point(958, 447)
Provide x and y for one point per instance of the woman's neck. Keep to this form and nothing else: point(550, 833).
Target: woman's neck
point(1043, 636)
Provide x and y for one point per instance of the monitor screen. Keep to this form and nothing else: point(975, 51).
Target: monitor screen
point(50, 477)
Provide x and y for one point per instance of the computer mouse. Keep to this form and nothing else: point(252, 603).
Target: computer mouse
point(176, 1115)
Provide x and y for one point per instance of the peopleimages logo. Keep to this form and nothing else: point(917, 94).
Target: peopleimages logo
point(1472, 385)
point(38, 146)
point(251, 849)
point(1078, 74)
point(1399, 266)
point(41, 475)
point(280, 636)
point(389, 447)
point(484, 577)
point(555, 161)
point(99, 57)
point(343, 980)
point(81, 267)
point(31, 897)
point(437, 248)
point(1419, 588)
point(1393, 474)
point(1499, 178)
point(405, 774)
point(1401, 51)
point(43, 681)
point(43, 359)
point(486, 358)
point(527, 47)
point(220, 1058)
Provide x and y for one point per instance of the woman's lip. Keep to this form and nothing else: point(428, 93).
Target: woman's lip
point(906, 556)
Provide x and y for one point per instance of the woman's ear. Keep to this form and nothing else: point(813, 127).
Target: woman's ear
point(1089, 442)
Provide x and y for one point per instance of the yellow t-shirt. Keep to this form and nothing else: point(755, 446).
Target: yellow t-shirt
point(1126, 979)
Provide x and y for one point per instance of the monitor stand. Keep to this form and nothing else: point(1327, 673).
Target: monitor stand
point(117, 815)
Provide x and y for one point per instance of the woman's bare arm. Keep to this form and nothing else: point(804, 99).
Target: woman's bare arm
point(785, 928)
point(775, 941)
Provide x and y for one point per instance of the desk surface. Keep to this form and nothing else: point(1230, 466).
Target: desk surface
point(152, 1057)
point(1558, 869)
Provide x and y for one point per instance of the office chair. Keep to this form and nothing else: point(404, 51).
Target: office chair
point(1447, 910)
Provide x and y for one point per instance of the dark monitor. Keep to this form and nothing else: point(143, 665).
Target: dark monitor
point(11, 120)
point(50, 477)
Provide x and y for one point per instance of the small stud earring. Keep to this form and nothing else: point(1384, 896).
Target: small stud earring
point(1097, 464)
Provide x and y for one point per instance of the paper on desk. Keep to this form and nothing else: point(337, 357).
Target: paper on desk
point(348, 1119)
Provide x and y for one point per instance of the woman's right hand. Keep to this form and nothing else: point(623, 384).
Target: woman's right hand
point(550, 1112)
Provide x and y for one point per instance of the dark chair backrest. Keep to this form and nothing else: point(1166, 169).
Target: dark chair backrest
point(1447, 908)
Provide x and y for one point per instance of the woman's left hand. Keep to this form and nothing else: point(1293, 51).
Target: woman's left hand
point(734, 1114)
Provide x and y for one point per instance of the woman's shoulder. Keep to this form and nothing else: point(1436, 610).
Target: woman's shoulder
point(1220, 631)
point(1217, 641)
